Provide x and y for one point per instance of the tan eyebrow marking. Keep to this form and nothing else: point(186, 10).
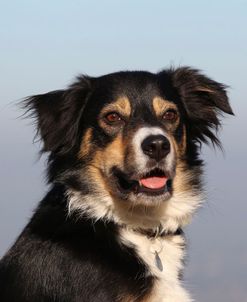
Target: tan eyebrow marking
point(160, 105)
point(122, 105)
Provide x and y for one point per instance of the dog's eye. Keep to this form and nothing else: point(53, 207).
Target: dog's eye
point(170, 115)
point(113, 117)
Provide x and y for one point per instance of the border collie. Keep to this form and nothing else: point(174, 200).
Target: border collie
point(125, 178)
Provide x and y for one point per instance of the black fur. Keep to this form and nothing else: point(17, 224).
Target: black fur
point(61, 257)
point(56, 258)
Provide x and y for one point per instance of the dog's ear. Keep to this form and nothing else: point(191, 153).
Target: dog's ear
point(204, 101)
point(57, 115)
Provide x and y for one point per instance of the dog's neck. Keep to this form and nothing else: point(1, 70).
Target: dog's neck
point(167, 219)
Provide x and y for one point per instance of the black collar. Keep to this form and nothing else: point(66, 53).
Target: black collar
point(158, 232)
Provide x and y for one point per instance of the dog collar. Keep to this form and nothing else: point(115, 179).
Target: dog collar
point(157, 232)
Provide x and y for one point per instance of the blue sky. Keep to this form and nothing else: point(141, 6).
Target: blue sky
point(45, 44)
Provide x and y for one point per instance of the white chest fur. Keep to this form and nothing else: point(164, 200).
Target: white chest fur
point(167, 287)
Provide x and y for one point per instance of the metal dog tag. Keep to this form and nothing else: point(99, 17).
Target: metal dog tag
point(158, 262)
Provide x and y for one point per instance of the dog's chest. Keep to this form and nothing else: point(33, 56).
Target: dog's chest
point(163, 258)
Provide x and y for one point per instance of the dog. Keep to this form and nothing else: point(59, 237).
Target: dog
point(125, 177)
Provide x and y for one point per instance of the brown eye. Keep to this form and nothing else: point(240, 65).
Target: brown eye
point(170, 115)
point(113, 117)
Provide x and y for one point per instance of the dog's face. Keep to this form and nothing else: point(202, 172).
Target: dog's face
point(133, 141)
point(127, 142)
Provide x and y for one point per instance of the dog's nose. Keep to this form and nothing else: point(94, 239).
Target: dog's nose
point(156, 146)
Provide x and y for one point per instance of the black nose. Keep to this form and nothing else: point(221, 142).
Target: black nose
point(156, 146)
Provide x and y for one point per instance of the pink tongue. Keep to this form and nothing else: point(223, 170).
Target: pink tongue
point(154, 182)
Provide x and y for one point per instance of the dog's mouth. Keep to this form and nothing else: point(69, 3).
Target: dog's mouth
point(154, 182)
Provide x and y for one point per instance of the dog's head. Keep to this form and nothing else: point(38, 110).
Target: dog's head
point(126, 144)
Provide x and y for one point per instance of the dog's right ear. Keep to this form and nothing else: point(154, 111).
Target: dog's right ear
point(204, 100)
point(58, 114)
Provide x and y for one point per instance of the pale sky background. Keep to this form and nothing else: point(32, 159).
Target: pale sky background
point(45, 44)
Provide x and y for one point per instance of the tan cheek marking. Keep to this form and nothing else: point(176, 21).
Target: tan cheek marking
point(103, 160)
point(175, 146)
point(160, 105)
point(86, 144)
point(181, 181)
point(113, 154)
point(181, 147)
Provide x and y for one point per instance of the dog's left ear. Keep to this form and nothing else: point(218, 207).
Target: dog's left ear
point(204, 101)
